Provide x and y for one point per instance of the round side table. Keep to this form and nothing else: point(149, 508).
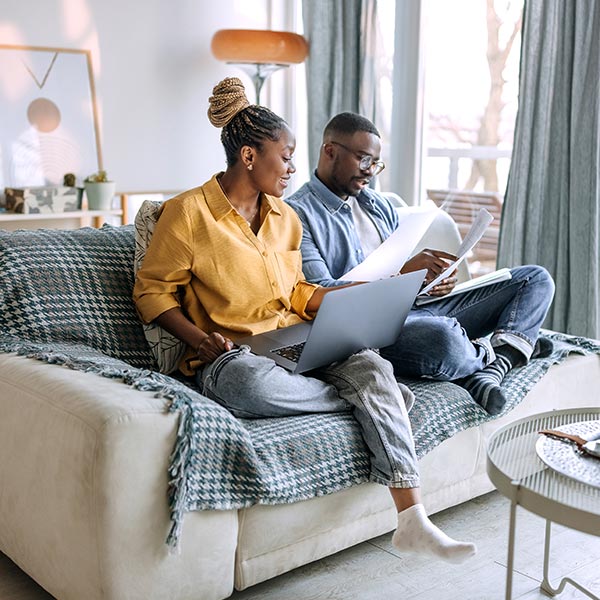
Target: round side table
point(518, 473)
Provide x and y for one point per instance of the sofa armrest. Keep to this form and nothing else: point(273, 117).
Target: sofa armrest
point(83, 501)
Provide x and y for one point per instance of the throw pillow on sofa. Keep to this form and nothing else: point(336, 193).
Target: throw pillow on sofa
point(166, 348)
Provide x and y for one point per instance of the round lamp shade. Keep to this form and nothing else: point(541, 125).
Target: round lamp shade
point(258, 46)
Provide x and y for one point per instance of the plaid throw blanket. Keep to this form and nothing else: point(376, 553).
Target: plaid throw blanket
point(65, 298)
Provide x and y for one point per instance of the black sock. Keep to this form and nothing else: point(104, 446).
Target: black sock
point(543, 348)
point(484, 385)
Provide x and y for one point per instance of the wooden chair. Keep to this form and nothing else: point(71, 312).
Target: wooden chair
point(463, 206)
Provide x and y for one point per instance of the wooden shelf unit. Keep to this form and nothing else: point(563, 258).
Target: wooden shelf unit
point(70, 219)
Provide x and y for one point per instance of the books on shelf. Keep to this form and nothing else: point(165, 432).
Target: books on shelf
point(42, 199)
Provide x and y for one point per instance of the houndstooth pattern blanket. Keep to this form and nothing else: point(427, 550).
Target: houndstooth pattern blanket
point(65, 298)
point(220, 462)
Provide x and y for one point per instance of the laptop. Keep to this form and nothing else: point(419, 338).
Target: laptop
point(350, 319)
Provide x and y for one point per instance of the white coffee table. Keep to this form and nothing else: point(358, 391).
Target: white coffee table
point(519, 474)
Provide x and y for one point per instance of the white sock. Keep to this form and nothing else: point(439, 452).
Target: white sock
point(417, 534)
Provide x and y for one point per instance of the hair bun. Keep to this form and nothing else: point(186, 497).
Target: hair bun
point(228, 99)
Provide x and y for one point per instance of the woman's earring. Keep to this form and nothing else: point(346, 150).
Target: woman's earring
point(250, 167)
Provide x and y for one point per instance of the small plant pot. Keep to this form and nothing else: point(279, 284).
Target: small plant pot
point(100, 194)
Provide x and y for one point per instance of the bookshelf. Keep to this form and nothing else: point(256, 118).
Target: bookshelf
point(65, 220)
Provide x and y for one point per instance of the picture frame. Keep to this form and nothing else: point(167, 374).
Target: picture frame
point(49, 116)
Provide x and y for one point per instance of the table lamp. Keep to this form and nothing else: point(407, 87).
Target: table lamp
point(259, 52)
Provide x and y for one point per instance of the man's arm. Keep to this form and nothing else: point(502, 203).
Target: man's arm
point(314, 267)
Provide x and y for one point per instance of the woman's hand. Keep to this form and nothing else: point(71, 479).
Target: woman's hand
point(208, 346)
point(212, 346)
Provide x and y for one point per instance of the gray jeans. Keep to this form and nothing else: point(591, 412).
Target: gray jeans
point(252, 386)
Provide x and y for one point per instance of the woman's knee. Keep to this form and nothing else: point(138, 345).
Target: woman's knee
point(235, 372)
point(366, 360)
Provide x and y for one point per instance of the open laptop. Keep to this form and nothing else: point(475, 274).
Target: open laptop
point(369, 315)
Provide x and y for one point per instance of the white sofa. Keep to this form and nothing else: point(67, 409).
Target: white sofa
point(83, 479)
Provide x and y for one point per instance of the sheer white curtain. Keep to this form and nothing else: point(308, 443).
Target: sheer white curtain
point(551, 211)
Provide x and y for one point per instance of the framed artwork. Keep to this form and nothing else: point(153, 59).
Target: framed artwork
point(48, 116)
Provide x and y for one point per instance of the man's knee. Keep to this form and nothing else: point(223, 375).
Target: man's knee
point(545, 281)
point(537, 276)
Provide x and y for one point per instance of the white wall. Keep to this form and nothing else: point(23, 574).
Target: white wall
point(154, 73)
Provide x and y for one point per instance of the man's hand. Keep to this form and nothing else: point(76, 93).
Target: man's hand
point(435, 261)
point(444, 287)
point(212, 346)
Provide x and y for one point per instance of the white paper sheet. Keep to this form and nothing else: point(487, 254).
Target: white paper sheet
point(388, 259)
point(480, 224)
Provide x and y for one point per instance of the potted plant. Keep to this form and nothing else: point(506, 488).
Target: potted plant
point(99, 190)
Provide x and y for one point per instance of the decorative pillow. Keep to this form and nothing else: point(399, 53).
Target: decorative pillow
point(72, 286)
point(166, 348)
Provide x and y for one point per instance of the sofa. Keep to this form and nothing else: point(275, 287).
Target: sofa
point(119, 482)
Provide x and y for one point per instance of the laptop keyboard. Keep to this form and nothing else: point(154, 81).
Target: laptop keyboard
point(290, 352)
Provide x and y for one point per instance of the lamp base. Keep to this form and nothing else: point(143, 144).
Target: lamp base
point(259, 73)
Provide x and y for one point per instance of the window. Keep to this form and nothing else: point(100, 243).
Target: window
point(470, 102)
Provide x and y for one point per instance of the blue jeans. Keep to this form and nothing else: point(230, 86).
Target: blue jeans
point(446, 340)
point(252, 386)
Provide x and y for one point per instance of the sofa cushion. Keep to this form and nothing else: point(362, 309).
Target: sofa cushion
point(72, 286)
point(166, 348)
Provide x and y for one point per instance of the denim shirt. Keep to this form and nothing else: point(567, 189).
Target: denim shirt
point(330, 245)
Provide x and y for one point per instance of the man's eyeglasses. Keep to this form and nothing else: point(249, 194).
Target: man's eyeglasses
point(365, 161)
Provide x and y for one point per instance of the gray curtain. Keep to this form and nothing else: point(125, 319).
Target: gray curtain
point(551, 212)
point(339, 67)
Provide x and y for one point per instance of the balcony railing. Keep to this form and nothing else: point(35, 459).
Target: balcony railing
point(472, 152)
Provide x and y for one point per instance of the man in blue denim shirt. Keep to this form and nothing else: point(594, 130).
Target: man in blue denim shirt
point(447, 340)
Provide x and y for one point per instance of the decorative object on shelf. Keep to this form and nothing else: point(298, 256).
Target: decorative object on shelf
point(69, 179)
point(259, 52)
point(49, 115)
point(100, 191)
point(43, 199)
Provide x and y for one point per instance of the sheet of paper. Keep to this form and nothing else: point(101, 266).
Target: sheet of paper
point(480, 224)
point(389, 258)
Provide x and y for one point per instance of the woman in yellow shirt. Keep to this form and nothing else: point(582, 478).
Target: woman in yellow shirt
point(224, 262)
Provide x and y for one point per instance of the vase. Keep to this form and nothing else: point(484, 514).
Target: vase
point(100, 194)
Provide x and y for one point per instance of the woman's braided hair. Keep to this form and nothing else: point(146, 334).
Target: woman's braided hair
point(243, 124)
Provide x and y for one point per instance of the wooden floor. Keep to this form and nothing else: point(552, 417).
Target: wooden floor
point(374, 570)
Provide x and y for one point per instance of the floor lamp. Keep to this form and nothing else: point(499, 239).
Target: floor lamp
point(259, 52)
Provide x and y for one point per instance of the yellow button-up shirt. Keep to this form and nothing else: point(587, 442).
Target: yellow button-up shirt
point(204, 258)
